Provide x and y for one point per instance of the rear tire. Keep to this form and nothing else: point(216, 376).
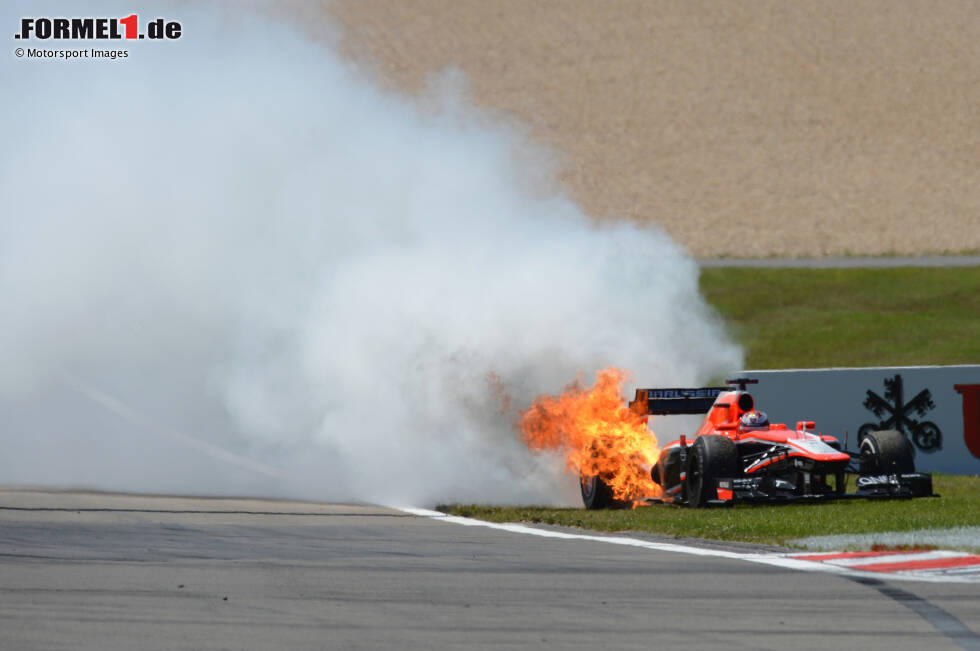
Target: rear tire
point(712, 457)
point(596, 494)
point(667, 471)
point(886, 452)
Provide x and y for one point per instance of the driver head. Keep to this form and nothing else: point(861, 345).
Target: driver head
point(754, 419)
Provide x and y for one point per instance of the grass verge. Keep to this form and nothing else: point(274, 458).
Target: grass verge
point(808, 318)
point(959, 505)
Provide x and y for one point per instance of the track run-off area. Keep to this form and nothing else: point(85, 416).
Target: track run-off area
point(940, 566)
point(107, 571)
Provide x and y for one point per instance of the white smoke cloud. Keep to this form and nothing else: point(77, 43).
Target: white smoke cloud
point(231, 264)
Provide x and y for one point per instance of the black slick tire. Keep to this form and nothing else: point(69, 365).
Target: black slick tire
point(667, 471)
point(711, 457)
point(886, 452)
point(596, 494)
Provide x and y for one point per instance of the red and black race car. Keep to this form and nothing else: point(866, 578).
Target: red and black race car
point(737, 455)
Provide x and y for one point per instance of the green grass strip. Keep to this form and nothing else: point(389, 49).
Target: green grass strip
point(810, 318)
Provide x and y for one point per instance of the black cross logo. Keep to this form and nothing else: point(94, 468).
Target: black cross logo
point(897, 415)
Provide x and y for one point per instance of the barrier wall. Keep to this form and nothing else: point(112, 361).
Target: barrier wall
point(936, 407)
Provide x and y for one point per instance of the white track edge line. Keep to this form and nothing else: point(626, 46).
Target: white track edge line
point(778, 560)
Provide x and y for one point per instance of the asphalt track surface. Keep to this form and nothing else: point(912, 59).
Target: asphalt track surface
point(100, 571)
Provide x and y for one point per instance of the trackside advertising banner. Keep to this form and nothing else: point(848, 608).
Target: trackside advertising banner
point(936, 407)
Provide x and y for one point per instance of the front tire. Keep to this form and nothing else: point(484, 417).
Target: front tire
point(712, 457)
point(596, 494)
point(886, 452)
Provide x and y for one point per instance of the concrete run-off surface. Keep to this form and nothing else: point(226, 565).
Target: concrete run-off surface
point(96, 571)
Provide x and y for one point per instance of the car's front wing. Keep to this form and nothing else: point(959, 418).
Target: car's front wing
point(730, 491)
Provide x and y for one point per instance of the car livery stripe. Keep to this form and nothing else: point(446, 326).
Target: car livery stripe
point(782, 457)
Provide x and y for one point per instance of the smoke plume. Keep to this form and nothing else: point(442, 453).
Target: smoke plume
point(233, 264)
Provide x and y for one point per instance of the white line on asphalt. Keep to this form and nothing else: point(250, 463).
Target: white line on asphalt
point(778, 560)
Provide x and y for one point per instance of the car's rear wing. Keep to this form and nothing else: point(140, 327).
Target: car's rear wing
point(666, 402)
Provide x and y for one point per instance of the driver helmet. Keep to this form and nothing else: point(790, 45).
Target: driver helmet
point(754, 419)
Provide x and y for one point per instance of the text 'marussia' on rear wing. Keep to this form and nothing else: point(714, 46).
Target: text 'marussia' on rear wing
point(667, 402)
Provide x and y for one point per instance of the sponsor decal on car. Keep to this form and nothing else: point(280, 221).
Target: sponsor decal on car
point(877, 480)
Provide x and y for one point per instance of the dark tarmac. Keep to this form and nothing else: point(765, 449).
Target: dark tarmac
point(103, 571)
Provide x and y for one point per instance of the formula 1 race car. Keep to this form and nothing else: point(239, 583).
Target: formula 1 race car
point(737, 455)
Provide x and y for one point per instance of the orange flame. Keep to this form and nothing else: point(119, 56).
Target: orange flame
point(597, 433)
